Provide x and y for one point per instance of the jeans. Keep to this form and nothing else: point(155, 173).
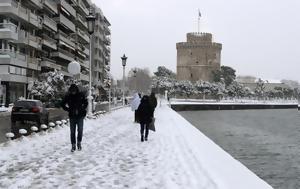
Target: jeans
point(73, 123)
point(143, 129)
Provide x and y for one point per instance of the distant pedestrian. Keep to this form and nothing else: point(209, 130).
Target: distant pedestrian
point(144, 114)
point(135, 105)
point(153, 103)
point(75, 103)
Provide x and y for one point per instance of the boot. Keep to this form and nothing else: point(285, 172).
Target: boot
point(73, 148)
point(142, 138)
point(146, 138)
point(79, 146)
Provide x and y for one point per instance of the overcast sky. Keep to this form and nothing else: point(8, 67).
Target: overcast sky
point(259, 37)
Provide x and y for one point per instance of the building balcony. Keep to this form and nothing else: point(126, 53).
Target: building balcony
point(13, 9)
point(87, 51)
point(63, 54)
point(49, 42)
point(18, 12)
point(34, 63)
point(66, 7)
point(82, 7)
point(35, 20)
point(8, 31)
point(34, 41)
point(65, 40)
point(107, 30)
point(107, 41)
point(13, 58)
point(83, 36)
point(50, 23)
point(22, 37)
point(51, 6)
point(61, 19)
point(84, 64)
point(81, 21)
point(84, 77)
point(36, 3)
point(49, 63)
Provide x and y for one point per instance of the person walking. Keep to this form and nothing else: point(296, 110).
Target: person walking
point(75, 103)
point(135, 105)
point(144, 115)
point(153, 103)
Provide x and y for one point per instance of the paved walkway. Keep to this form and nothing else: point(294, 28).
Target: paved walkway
point(176, 156)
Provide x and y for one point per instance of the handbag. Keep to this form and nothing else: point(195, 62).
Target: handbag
point(151, 125)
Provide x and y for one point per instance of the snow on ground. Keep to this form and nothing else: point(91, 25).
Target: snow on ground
point(176, 156)
point(233, 102)
point(4, 109)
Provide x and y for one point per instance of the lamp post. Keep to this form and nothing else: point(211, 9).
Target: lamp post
point(91, 27)
point(134, 75)
point(124, 58)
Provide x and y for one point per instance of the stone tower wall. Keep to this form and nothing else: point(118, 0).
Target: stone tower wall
point(198, 57)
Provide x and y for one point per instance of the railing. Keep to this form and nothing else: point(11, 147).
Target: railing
point(23, 10)
point(38, 3)
point(65, 38)
point(9, 26)
point(62, 19)
point(12, 2)
point(45, 36)
point(35, 19)
point(65, 52)
point(82, 20)
point(83, 7)
point(13, 54)
point(33, 60)
point(50, 23)
point(23, 36)
point(83, 35)
point(68, 7)
point(48, 60)
point(51, 5)
point(34, 38)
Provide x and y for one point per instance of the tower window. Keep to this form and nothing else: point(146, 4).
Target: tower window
point(191, 75)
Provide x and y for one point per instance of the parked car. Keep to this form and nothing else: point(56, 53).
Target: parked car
point(29, 110)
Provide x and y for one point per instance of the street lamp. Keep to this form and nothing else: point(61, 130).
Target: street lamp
point(91, 27)
point(134, 75)
point(124, 58)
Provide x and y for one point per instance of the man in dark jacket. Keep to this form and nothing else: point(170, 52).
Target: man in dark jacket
point(153, 103)
point(75, 103)
point(144, 113)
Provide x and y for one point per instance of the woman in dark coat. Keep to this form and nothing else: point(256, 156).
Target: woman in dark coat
point(144, 113)
point(153, 102)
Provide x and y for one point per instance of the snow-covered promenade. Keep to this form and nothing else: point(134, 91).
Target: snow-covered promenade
point(176, 156)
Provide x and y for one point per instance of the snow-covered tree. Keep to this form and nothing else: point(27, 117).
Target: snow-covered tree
point(49, 87)
point(260, 88)
point(164, 72)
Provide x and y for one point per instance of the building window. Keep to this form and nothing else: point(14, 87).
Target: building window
point(191, 75)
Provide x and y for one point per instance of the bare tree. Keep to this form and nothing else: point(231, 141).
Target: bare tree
point(139, 80)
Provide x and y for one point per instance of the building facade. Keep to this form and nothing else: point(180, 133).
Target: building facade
point(198, 57)
point(101, 52)
point(38, 36)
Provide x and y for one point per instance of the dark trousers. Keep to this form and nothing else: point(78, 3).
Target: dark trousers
point(73, 123)
point(143, 127)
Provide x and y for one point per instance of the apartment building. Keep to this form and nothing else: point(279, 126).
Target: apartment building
point(101, 51)
point(39, 36)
